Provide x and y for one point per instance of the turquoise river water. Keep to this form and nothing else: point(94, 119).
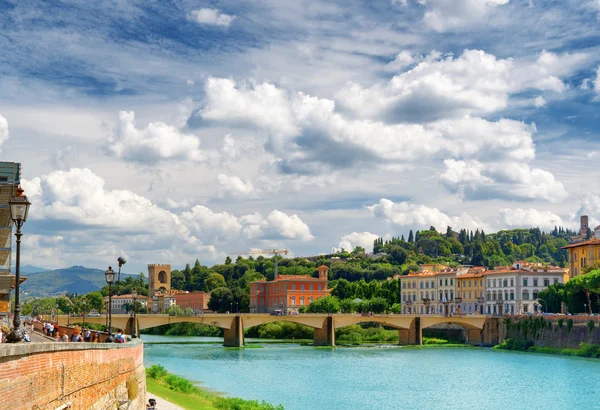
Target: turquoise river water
point(307, 378)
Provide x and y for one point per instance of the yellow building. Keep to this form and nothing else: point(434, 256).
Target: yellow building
point(470, 288)
point(432, 267)
point(583, 254)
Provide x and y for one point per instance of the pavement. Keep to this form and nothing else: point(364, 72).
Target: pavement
point(162, 404)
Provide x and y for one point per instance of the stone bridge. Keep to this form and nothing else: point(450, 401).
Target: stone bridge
point(479, 329)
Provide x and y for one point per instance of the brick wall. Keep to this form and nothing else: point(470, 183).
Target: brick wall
point(87, 375)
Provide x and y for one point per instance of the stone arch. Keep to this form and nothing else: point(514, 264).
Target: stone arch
point(162, 277)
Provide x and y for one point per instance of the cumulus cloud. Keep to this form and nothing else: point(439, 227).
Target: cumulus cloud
point(235, 186)
point(3, 130)
point(156, 142)
point(407, 214)
point(443, 86)
point(212, 17)
point(530, 217)
point(444, 15)
point(307, 135)
point(354, 239)
point(512, 180)
point(224, 226)
point(539, 101)
point(403, 59)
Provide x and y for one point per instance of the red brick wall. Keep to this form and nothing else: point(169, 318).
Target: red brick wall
point(89, 376)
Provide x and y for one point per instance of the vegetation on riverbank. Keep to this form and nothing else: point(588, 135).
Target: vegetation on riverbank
point(523, 345)
point(185, 394)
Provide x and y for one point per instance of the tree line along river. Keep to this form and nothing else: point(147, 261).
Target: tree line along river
point(387, 377)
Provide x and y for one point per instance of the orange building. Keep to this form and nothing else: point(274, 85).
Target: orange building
point(197, 301)
point(288, 293)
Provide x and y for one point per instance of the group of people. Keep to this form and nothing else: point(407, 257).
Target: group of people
point(78, 335)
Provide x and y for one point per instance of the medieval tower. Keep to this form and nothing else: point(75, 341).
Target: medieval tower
point(159, 278)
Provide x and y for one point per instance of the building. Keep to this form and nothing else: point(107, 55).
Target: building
point(418, 292)
point(515, 291)
point(197, 301)
point(432, 267)
point(470, 291)
point(446, 292)
point(159, 278)
point(161, 302)
point(10, 178)
point(288, 293)
point(121, 303)
point(582, 254)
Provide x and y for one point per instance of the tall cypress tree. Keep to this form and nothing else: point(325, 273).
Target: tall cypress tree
point(411, 238)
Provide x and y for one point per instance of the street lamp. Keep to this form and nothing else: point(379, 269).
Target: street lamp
point(134, 295)
point(19, 209)
point(84, 310)
point(121, 260)
point(110, 278)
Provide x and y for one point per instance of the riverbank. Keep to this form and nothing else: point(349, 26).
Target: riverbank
point(522, 345)
point(188, 396)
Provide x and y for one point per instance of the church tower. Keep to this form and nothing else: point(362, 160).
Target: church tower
point(323, 272)
point(159, 278)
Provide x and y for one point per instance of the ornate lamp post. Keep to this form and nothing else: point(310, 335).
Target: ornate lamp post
point(134, 295)
point(110, 279)
point(19, 209)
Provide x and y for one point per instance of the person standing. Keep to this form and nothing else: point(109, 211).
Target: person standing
point(87, 335)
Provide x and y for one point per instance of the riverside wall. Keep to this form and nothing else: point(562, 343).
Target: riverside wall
point(551, 333)
point(76, 376)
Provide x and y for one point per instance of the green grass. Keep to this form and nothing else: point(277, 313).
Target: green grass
point(187, 402)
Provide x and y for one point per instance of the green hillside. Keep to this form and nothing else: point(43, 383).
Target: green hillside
point(76, 279)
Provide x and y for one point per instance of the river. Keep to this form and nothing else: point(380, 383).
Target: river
point(307, 378)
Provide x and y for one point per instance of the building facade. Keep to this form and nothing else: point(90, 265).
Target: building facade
point(515, 291)
point(470, 288)
point(288, 293)
point(197, 301)
point(10, 177)
point(418, 293)
point(159, 278)
point(583, 254)
point(122, 303)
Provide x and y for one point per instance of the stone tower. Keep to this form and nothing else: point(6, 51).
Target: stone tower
point(323, 272)
point(584, 225)
point(159, 278)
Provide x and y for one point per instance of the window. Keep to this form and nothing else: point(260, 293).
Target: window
point(414, 297)
point(446, 282)
point(480, 282)
point(524, 281)
point(512, 282)
point(302, 287)
point(432, 284)
point(535, 294)
point(458, 284)
point(499, 295)
point(293, 300)
point(505, 283)
point(421, 285)
point(404, 297)
point(403, 285)
point(488, 309)
point(525, 308)
point(493, 295)
point(546, 282)
point(421, 295)
point(469, 283)
point(535, 282)
point(441, 281)
point(464, 295)
point(293, 286)
point(310, 287)
point(469, 295)
point(426, 285)
point(489, 283)
point(525, 296)
point(421, 309)
point(451, 294)
point(441, 297)
point(512, 295)
point(310, 299)
point(494, 281)
point(555, 281)
point(451, 282)
point(302, 300)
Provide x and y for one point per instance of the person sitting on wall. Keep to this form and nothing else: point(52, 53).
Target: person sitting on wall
point(119, 338)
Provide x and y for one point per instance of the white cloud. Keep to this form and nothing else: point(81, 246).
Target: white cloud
point(442, 86)
point(157, 142)
point(511, 180)
point(308, 136)
point(444, 15)
point(235, 186)
point(421, 216)
point(224, 226)
point(539, 101)
point(530, 217)
point(402, 60)
point(211, 17)
point(597, 81)
point(3, 130)
point(354, 239)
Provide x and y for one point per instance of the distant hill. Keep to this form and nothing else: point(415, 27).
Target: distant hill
point(76, 279)
point(31, 269)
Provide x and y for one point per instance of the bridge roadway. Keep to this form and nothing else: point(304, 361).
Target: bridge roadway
point(479, 329)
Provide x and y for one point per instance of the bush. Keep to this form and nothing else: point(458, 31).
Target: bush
point(434, 341)
point(156, 372)
point(232, 403)
point(590, 326)
point(179, 384)
point(560, 323)
point(515, 344)
point(569, 325)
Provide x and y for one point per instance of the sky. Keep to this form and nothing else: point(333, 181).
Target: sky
point(166, 131)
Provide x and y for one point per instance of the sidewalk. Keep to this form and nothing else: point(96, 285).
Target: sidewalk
point(161, 403)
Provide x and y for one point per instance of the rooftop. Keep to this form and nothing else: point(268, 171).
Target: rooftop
point(584, 243)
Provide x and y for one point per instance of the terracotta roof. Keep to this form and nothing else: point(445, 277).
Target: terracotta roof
point(280, 278)
point(510, 271)
point(584, 243)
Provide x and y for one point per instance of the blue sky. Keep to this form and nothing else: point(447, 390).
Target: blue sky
point(173, 130)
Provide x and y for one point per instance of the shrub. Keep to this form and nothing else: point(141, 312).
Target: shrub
point(233, 403)
point(515, 344)
point(569, 325)
point(590, 326)
point(434, 341)
point(156, 372)
point(560, 323)
point(179, 384)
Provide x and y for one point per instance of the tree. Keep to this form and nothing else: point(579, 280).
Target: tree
point(328, 304)
point(220, 300)
point(214, 281)
point(411, 238)
point(228, 261)
point(178, 280)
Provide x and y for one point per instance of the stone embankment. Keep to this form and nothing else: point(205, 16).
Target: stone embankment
point(76, 376)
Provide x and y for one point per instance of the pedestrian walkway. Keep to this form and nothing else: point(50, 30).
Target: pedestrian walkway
point(161, 403)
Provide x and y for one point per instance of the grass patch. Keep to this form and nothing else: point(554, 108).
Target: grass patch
point(185, 394)
point(584, 350)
